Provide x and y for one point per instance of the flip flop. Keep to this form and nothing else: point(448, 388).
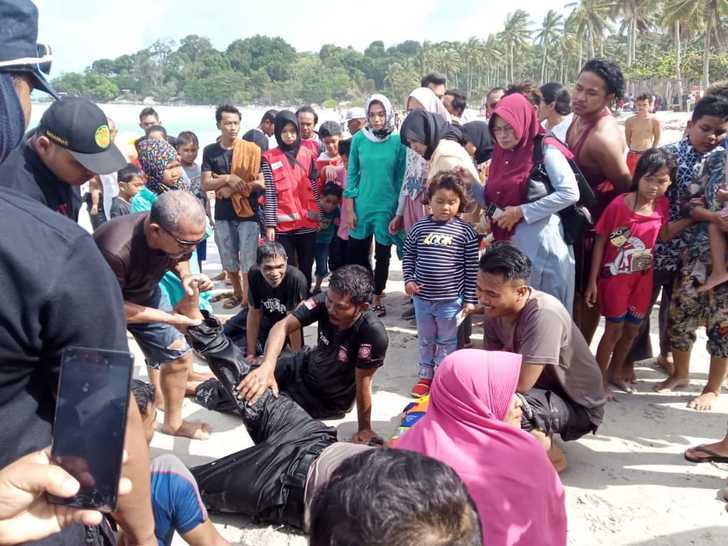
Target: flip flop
point(713, 457)
point(222, 296)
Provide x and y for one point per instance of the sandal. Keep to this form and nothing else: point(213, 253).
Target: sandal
point(712, 456)
point(232, 302)
point(421, 388)
point(379, 310)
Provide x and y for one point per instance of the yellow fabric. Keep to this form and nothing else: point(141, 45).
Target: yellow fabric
point(245, 165)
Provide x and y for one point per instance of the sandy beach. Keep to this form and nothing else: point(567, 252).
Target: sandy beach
point(626, 485)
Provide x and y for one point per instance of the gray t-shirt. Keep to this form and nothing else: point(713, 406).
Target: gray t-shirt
point(321, 470)
point(545, 334)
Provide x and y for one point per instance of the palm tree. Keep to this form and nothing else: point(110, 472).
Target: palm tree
point(514, 35)
point(704, 16)
point(590, 19)
point(635, 15)
point(551, 28)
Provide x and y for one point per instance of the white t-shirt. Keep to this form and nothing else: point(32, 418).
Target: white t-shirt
point(559, 131)
point(110, 189)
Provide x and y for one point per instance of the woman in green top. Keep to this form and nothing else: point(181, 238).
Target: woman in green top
point(374, 180)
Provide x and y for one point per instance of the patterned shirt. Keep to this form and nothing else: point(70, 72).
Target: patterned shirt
point(667, 253)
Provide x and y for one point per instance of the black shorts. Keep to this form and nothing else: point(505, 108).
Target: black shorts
point(550, 413)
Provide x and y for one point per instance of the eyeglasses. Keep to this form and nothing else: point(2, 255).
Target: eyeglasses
point(503, 130)
point(182, 242)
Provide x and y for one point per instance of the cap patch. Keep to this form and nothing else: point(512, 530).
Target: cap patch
point(102, 136)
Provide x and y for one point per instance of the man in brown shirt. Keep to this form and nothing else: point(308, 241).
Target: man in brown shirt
point(560, 380)
point(140, 249)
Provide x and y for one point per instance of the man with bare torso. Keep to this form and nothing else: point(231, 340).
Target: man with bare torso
point(642, 131)
point(598, 146)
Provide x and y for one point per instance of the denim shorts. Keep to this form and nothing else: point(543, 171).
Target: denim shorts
point(157, 340)
point(237, 243)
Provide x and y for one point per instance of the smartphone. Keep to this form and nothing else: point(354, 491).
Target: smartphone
point(90, 423)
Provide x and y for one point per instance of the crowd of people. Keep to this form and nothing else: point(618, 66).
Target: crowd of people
point(534, 222)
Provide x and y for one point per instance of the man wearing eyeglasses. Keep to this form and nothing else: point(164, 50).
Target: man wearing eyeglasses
point(491, 101)
point(140, 249)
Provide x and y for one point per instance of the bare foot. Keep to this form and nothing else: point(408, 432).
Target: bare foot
point(191, 387)
point(704, 402)
point(666, 364)
point(713, 280)
point(671, 383)
point(189, 429)
point(622, 384)
point(557, 458)
point(220, 277)
point(609, 395)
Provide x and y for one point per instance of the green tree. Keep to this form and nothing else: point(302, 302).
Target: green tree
point(514, 36)
point(551, 29)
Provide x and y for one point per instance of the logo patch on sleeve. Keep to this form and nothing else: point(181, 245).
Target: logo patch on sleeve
point(365, 351)
point(310, 304)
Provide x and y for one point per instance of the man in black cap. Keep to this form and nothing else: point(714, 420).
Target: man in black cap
point(71, 144)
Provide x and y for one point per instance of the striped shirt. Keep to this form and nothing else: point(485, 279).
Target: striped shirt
point(271, 196)
point(442, 258)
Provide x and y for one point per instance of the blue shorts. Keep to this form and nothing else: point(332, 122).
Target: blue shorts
point(160, 343)
point(237, 243)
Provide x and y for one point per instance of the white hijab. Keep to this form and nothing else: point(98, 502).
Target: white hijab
point(430, 102)
point(384, 133)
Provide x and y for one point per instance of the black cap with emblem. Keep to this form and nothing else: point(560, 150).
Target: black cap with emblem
point(81, 127)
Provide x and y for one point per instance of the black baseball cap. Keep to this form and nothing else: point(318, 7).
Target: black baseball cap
point(81, 127)
point(19, 47)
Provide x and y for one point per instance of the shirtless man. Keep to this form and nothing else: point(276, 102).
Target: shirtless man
point(598, 145)
point(642, 131)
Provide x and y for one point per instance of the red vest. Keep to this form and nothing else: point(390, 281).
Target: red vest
point(297, 207)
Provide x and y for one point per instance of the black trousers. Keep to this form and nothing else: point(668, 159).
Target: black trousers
point(358, 251)
point(550, 413)
point(266, 481)
point(300, 248)
point(236, 329)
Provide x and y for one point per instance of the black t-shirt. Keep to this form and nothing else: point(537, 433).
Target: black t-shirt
point(138, 268)
point(57, 292)
point(217, 160)
point(332, 364)
point(119, 207)
point(24, 172)
point(275, 303)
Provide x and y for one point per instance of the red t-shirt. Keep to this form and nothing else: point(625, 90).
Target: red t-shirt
point(630, 236)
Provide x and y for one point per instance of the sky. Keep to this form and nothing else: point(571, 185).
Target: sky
point(81, 31)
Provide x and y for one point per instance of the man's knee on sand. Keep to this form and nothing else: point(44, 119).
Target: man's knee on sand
point(357, 504)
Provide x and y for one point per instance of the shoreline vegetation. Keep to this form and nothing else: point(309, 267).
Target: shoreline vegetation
point(669, 47)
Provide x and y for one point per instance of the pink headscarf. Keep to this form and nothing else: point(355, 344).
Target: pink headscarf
point(516, 489)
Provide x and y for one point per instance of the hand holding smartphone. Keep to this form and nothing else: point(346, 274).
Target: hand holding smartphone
point(90, 424)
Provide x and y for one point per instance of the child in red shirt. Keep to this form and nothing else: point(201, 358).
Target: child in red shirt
point(621, 269)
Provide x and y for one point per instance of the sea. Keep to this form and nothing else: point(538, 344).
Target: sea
point(198, 119)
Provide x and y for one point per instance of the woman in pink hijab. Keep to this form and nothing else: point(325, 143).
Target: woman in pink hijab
point(473, 425)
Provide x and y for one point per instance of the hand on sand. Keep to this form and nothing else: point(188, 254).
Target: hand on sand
point(367, 437)
point(25, 513)
point(704, 402)
point(255, 384)
point(671, 383)
point(196, 430)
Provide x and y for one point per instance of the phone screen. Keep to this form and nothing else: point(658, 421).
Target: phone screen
point(90, 422)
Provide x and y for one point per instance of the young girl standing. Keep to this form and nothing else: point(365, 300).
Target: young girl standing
point(621, 268)
point(440, 268)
